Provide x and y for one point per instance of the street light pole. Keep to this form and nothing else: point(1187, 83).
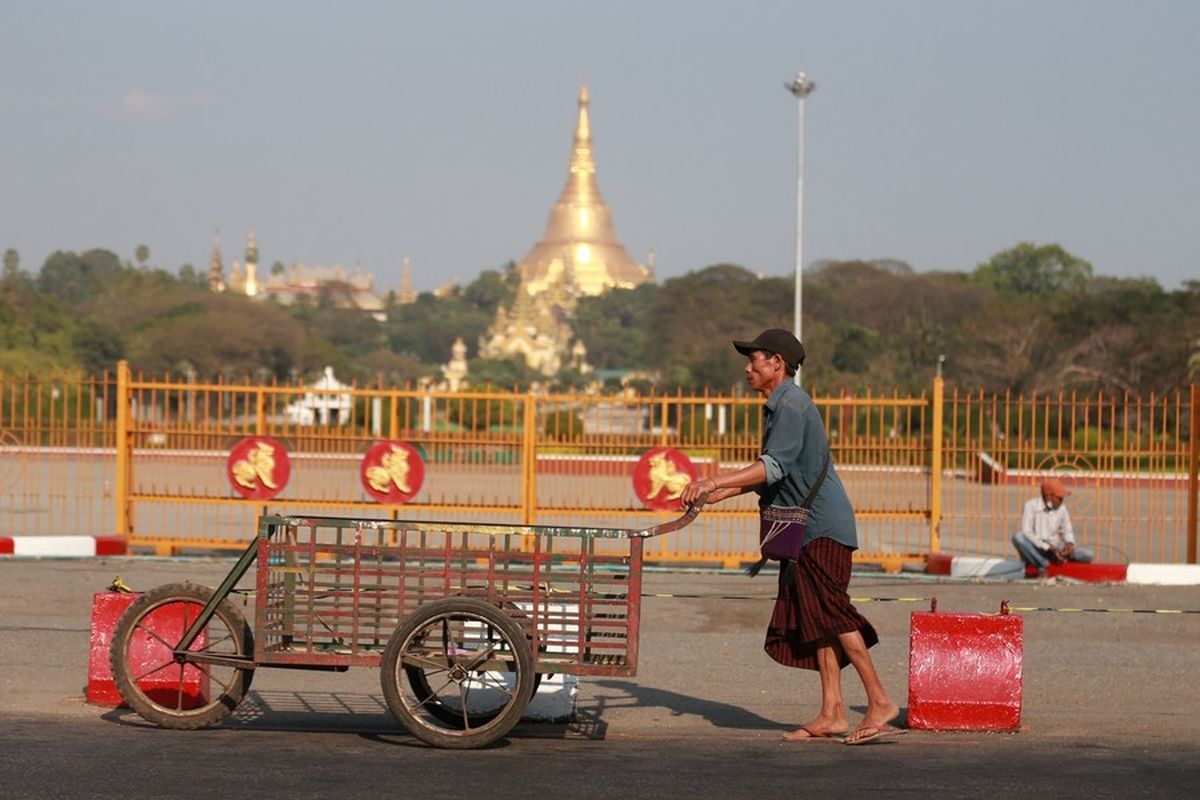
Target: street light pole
point(801, 87)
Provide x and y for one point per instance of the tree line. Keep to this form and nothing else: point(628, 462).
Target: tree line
point(1033, 318)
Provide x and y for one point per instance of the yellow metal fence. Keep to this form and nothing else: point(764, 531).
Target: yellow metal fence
point(146, 458)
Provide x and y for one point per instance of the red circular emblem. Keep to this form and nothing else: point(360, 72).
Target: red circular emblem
point(258, 467)
point(392, 472)
point(659, 478)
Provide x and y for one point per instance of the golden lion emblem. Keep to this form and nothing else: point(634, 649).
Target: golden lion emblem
point(665, 476)
point(392, 469)
point(259, 464)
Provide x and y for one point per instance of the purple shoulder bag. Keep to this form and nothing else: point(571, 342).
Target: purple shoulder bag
point(781, 530)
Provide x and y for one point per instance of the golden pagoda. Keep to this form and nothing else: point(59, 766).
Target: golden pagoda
point(578, 254)
point(579, 243)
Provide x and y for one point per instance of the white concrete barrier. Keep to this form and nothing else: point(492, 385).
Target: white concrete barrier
point(1164, 574)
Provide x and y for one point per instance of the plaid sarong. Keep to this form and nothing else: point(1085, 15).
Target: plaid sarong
point(813, 607)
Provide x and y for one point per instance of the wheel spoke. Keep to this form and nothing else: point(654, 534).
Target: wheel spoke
point(153, 670)
point(424, 661)
point(433, 694)
point(479, 659)
point(462, 697)
point(209, 647)
point(494, 681)
point(179, 690)
point(151, 634)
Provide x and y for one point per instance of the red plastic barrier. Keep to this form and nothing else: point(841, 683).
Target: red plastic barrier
point(964, 671)
point(147, 653)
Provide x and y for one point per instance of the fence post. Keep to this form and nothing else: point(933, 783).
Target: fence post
point(124, 451)
point(529, 459)
point(260, 412)
point(935, 465)
point(1193, 470)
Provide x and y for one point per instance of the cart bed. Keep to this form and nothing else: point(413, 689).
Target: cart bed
point(332, 590)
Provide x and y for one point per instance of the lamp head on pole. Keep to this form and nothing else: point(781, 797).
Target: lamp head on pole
point(800, 85)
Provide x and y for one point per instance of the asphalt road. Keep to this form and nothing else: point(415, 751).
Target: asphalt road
point(1109, 706)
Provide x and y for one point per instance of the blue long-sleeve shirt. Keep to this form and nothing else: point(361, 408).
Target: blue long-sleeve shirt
point(793, 449)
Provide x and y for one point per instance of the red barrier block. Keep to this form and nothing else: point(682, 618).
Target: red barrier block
point(938, 564)
point(150, 656)
point(1087, 572)
point(111, 546)
point(964, 672)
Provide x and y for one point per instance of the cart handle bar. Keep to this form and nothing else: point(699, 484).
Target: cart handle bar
point(690, 514)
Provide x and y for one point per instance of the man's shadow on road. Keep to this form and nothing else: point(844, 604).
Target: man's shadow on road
point(720, 715)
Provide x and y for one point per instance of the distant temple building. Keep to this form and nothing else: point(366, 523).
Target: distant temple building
point(406, 294)
point(244, 279)
point(578, 254)
point(343, 287)
point(455, 371)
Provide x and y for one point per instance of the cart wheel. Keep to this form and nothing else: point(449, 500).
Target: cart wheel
point(472, 657)
point(170, 691)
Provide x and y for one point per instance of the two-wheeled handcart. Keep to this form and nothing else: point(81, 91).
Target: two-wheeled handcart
point(462, 619)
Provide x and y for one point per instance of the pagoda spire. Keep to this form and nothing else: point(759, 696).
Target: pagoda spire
point(251, 264)
point(583, 163)
point(406, 295)
point(216, 270)
point(579, 241)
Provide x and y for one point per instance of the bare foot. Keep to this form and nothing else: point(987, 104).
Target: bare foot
point(819, 728)
point(807, 733)
point(878, 717)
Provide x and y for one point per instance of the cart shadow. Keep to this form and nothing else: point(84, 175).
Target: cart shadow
point(359, 713)
point(351, 712)
point(366, 714)
point(720, 715)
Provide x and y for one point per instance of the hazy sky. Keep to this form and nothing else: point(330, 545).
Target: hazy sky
point(941, 131)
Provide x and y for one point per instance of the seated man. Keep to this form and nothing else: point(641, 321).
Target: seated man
point(1046, 535)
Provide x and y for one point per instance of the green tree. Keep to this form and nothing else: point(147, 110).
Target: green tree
point(142, 254)
point(614, 326)
point(98, 345)
point(695, 316)
point(501, 373)
point(188, 275)
point(1034, 269)
point(75, 278)
point(491, 290)
point(12, 264)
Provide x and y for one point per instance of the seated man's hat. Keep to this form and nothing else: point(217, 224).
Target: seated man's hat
point(1053, 487)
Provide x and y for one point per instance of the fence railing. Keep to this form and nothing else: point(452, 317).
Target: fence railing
point(147, 458)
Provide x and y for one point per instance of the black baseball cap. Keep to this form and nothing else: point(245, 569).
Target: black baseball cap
point(778, 342)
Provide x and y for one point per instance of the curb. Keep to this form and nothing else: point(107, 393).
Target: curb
point(63, 545)
point(1014, 569)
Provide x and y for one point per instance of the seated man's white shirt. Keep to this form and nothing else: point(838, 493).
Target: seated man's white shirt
point(1046, 528)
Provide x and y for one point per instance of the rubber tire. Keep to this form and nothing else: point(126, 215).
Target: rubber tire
point(453, 736)
point(218, 707)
